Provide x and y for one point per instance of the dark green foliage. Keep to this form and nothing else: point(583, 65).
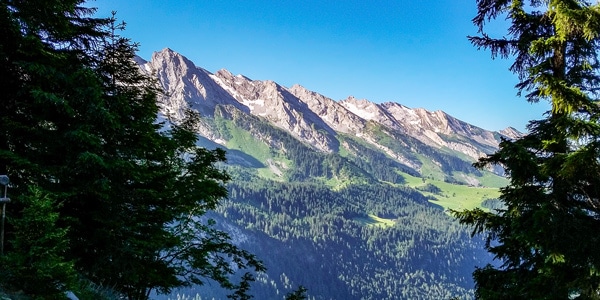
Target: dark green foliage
point(299, 294)
point(38, 82)
point(545, 234)
point(44, 269)
point(430, 188)
point(241, 292)
point(374, 162)
point(118, 197)
point(317, 237)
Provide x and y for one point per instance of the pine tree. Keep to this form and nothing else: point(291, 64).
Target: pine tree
point(546, 236)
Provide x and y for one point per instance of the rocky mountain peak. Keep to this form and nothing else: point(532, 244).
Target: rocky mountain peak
point(359, 103)
point(230, 77)
point(225, 74)
point(277, 105)
point(511, 133)
point(309, 116)
point(370, 111)
point(297, 89)
point(184, 84)
point(172, 63)
point(338, 117)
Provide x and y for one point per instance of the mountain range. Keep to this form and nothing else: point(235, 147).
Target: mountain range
point(310, 117)
point(344, 197)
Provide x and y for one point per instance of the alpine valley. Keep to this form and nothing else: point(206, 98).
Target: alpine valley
point(346, 198)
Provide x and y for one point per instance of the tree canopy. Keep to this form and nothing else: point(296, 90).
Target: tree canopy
point(104, 190)
point(545, 236)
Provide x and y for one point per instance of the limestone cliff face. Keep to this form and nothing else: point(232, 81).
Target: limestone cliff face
point(332, 113)
point(281, 108)
point(310, 117)
point(436, 129)
point(184, 85)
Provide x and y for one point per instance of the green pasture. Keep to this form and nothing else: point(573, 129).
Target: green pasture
point(373, 220)
point(455, 196)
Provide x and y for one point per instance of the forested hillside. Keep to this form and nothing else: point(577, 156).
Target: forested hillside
point(368, 241)
point(359, 242)
point(351, 224)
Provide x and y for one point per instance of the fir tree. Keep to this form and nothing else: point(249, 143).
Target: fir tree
point(43, 71)
point(40, 268)
point(546, 236)
point(123, 193)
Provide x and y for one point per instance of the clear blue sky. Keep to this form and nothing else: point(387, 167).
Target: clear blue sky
point(413, 52)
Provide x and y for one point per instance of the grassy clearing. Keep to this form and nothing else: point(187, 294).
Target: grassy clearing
point(454, 196)
point(430, 170)
point(267, 173)
point(373, 220)
point(343, 151)
point(335, 183)
point(245, 142)
point(491, 180)
point(458, 154)
point(242, 140)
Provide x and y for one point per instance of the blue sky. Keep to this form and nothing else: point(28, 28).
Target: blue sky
point(412, 52)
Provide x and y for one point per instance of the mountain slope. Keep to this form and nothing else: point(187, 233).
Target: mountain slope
point(343, 197)
point(309, 116)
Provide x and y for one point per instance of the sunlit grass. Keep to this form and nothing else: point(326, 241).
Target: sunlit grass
point(491, 180)
point(373, 220)
point(245, 142)
point(430, 170)
point(453, 196)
